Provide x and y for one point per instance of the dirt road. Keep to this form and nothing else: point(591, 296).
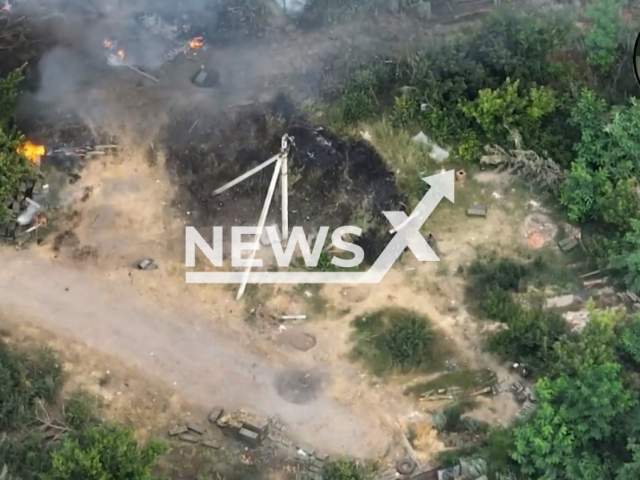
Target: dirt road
point(205, 366)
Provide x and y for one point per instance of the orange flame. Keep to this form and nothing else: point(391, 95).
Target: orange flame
point(32, 151)
point(196, 43)
point(107, 43)
point(120, 54)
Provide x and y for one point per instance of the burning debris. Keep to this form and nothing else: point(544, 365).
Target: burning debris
point(32, 151)
point(115, 54)
point(82, 152)
point(192, 45)
point(196, 43)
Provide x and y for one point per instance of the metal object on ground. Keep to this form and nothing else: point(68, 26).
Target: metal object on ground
point(196, 428)
point(206, 78)
point(29, 214)
point(178, 430)
point(216, 414)
point(249, 437)
point(477, 211)
point(568, 244)
point(405, 466)
point(189, 438)
point(147, 264)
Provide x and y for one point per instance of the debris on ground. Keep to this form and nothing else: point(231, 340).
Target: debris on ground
point(147, 264)
point(405, 466)
point(477, 210)
point(215, 414)
point(179, 430)
point(539, 230)
point(189, 438)
point(27, 210)
point(562, 301)
point(245, 420)
point(577, 320)
point(436, 153)
point(194, 427)
point(568, 244)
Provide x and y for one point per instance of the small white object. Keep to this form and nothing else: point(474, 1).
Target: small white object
point(438, 154)
point(366, 135)
point(421, 138)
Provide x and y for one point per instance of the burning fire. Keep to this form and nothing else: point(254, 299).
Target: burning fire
point(32, 151)
point(120, 54)
point(107, 43)
point(196, 43)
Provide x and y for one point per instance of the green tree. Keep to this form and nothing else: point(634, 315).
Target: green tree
point(629, 259)
point(497, 111)
point(631, 470)
point(103, 453)
point(578, 420)
point(629, 340)
point(596, 345)
point(604, 40)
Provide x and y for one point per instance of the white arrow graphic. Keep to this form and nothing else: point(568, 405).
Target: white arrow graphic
point(408, 235)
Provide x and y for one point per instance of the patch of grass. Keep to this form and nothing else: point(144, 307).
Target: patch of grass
point(464, 379)
point(344, 469)
point(324, 262)
point(188, 461)
point(26, 376)
point(492, 281)
point(529, 332)
point(397, 340)
point(408, 160)
point(81, 410)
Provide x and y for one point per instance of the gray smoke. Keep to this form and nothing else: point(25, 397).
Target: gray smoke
point(89, 73)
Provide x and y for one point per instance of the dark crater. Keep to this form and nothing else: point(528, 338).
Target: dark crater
point(298, 386)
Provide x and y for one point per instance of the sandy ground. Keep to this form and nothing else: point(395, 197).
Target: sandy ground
point(200, 362)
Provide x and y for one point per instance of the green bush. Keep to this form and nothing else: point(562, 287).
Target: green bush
point(497, 274)
point(103, 453)
point(529, 338)
point(344, 470)
point(13, 167)
point(405, 110)
point(26, 376)
point(356, 106)
point(394, 339)
point(80, 411)
point(499, 305)
point(605, 41)
point(628, 343)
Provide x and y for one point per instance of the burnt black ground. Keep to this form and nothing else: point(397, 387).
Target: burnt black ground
point(333, 181)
